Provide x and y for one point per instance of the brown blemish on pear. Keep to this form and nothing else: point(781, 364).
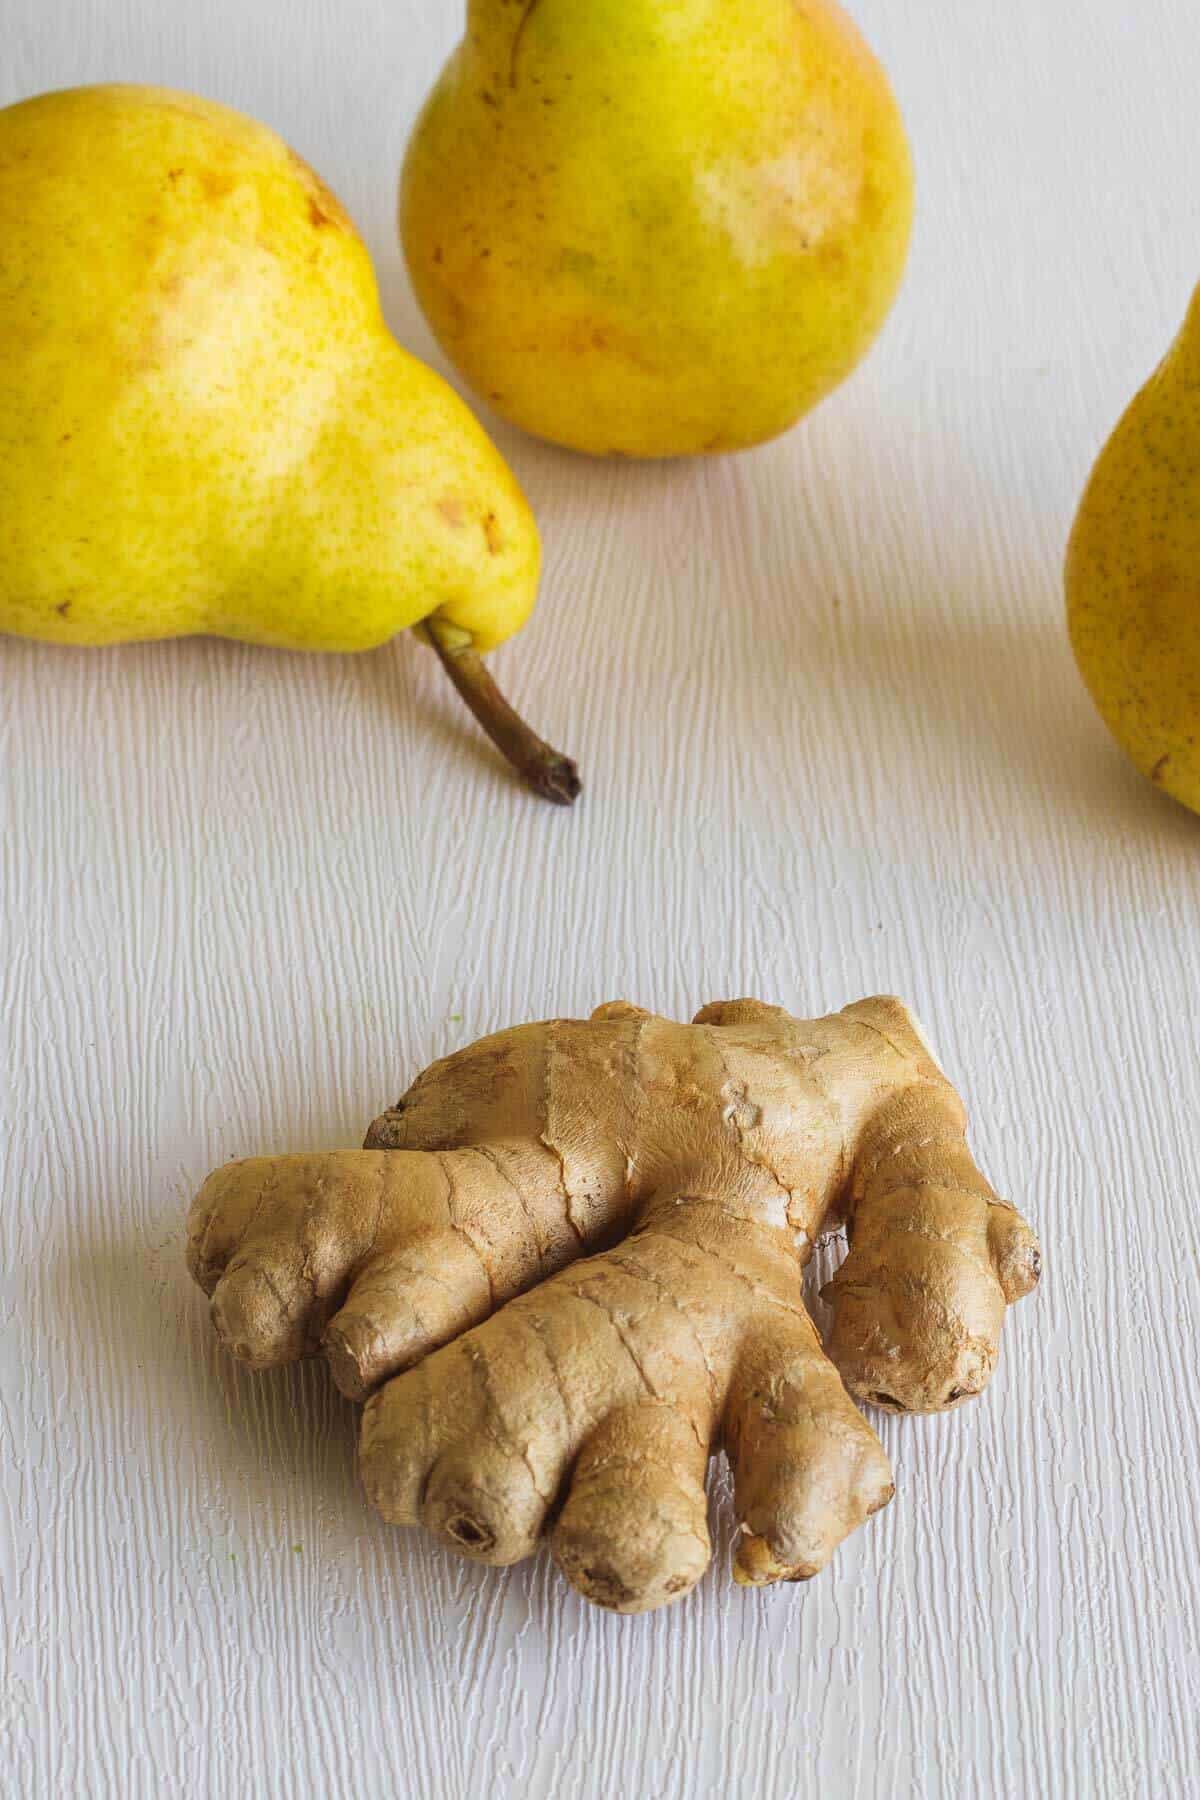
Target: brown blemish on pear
point(325, 210)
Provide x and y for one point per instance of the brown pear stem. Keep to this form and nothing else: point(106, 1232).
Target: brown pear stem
point(546, 771)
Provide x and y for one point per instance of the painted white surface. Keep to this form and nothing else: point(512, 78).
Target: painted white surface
point(833, 743)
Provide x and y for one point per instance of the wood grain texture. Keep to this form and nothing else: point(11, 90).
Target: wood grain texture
point(834, 743)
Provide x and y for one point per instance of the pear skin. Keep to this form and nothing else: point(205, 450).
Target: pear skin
point(1133, 574)
point(205, 425)
point(657, 230)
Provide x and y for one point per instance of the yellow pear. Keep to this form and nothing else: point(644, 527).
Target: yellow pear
point(657, 229)
point(1133, 574)
point(205, 425)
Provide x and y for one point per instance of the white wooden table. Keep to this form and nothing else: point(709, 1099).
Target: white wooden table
point(834, 743)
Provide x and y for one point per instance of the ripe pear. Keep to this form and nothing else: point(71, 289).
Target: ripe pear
point(657, 229)
point(1133, 574)
point(205, 425)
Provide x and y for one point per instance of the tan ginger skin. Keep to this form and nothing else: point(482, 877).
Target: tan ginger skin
point(567, 1268)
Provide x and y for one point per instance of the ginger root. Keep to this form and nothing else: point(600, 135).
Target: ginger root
point(567, 1267)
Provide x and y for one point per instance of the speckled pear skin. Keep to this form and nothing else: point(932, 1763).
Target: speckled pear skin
point(1133, 574)
point(657, 229)
point(205, 425)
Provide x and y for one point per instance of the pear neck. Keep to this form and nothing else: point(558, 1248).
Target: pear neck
point(496, 32)
point(1186, 350)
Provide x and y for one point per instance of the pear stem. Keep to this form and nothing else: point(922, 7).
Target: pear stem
point(545, 770)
